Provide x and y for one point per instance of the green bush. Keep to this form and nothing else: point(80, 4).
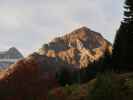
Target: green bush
point(70, 89)
point(103, 88)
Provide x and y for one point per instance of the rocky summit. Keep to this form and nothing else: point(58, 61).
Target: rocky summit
point(80, 48)
point(9, 57)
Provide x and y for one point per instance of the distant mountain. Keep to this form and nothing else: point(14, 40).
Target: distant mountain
point(80, 47)
point(62, 58)
point(9, 57)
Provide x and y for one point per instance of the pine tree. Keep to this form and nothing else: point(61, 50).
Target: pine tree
point(123, 44)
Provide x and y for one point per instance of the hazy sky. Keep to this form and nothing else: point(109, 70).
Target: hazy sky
point(27, 24)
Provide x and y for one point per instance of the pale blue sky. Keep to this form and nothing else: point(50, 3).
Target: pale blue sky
point(27, 24)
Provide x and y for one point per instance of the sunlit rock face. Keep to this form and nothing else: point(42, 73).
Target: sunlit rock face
point(81, 47)
point(9, 57)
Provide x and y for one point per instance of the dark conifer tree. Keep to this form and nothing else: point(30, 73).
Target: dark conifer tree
point(123, 44)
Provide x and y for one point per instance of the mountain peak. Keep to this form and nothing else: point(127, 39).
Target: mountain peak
point(13, 49)
point(83, 28)
point(14, 53)
point(79, 47)
point(9, 57)
point(80, 31)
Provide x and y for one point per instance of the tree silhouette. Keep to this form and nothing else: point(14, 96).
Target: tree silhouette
point(123, 44)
